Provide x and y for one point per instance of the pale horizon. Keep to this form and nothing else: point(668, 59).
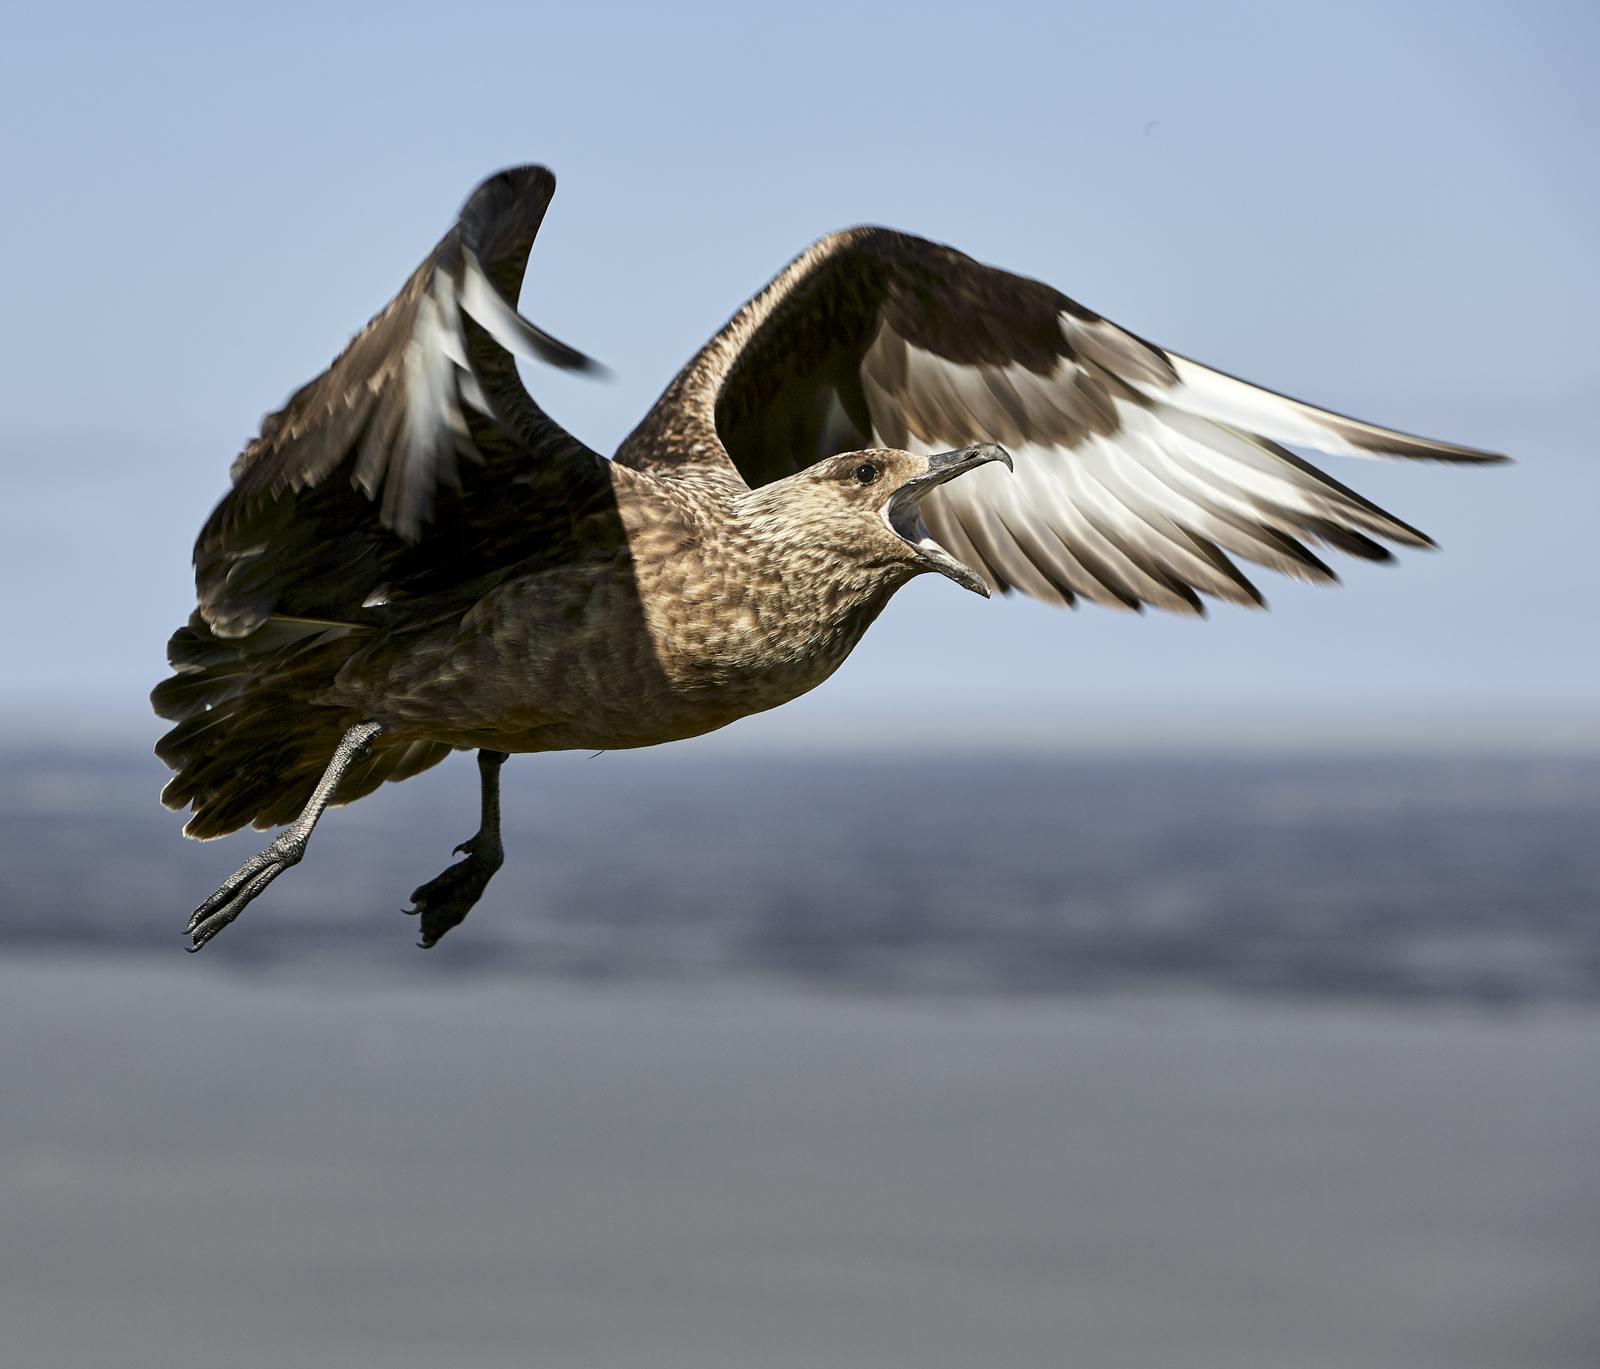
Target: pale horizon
point(1412, 248)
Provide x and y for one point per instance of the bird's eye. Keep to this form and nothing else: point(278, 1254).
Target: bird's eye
point(866, 473)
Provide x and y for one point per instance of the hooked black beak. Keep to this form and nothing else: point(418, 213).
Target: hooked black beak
point(947, 465)
point(903, 515)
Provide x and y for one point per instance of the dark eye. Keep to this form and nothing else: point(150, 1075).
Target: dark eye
point(866, 473)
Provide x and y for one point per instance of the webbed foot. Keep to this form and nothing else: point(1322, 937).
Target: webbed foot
point(447, 898)
point(236, 892)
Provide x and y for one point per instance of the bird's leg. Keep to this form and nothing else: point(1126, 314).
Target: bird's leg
point(444, 900)
point(245, 883)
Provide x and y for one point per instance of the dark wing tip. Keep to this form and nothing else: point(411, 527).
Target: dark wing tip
point(553, 352)
point(513, 191)
point(1384, 442)
point(498, 224)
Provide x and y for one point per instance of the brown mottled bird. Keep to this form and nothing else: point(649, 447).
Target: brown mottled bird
point(415, 559)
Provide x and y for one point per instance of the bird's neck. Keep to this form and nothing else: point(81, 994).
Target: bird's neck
point(745, 608)
point(814, 582)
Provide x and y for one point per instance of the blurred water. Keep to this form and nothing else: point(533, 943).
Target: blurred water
point(590, 1129)
point(1414, 879)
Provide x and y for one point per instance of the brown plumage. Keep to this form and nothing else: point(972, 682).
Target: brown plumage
point(414, 558)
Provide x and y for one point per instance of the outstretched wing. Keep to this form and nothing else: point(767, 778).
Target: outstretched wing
point(1139, 474)
point(417, 457)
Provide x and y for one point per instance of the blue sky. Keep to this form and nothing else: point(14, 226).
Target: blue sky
point(1387, 209)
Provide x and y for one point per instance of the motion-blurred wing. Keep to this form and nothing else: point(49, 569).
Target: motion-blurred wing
point(1138, 473)
point(421, 411)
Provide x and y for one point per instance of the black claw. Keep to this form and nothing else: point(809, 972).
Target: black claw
point(231, 898)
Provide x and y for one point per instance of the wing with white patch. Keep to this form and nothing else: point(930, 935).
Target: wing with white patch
point(422, 408)
point(1139, 474)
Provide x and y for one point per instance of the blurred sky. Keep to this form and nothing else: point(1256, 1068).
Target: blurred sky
point(1387, 209)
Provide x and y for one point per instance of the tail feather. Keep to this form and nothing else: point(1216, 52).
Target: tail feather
point(252, 738)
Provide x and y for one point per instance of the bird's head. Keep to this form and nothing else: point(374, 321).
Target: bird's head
point(866, 506)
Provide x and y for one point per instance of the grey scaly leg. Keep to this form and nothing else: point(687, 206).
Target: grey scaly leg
point(245, 883)
point(447, 898)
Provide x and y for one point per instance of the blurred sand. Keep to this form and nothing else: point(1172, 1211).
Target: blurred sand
point(204, 1168)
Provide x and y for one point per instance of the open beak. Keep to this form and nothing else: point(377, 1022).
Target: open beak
point(903, 511)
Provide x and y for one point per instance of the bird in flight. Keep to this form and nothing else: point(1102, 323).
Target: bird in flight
point(414, 558)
